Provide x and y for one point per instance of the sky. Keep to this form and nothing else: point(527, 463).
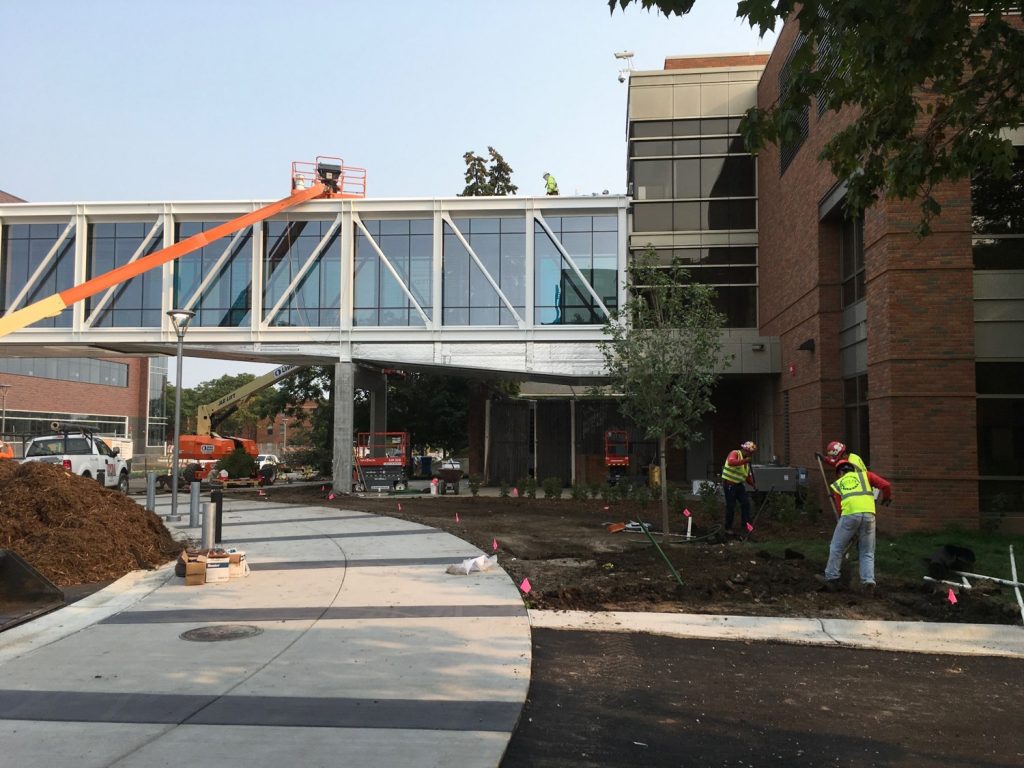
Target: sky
point(200, 100)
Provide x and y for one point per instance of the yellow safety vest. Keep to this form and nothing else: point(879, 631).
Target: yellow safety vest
point(857, 461)
point(855, 493)
point(731, 474)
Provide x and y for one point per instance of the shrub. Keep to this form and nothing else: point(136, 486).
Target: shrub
point(528, 486)
point(782, 507)
point(238, 463)
point(504, 490)
point(552, 487)
point(711, 502)
point(474, 485)
point(579, 492)
point(676, 498)
point(595, 489)
point(642, 494)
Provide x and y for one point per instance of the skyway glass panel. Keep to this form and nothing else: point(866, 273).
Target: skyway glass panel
point(227, 300)
point(25, 247)
point(560, 298)
point(287, 246)
point(378, 299)
point(132, 304)
point(500, 245)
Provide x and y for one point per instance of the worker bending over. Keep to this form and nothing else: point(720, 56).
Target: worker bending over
point(735, 473)
point(854, 496)
point(550, 185)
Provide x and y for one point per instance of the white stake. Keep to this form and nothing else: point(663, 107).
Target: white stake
point(1016, 587)
point(689, 526)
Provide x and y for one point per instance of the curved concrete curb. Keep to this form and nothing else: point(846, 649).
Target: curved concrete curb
point(911, 637)
point(123, 593)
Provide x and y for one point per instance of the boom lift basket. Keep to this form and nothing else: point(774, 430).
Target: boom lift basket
point(339, 179)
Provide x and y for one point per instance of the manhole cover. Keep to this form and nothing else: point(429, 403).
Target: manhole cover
point(220, 632)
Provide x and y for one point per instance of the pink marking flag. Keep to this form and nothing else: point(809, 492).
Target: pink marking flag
point(330, 496)
point(399, 506)
point(750, 527)
point(456, 517)
point(605, 507)
point(952, 597)
point(494, 545)
point(515, 493)
point(686, 512)
point(525, 586)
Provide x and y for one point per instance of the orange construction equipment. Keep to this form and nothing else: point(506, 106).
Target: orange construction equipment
point(327, 177)
point(381, 461)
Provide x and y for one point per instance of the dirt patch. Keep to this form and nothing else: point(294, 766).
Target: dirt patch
point(74, 531)
point(573, 563)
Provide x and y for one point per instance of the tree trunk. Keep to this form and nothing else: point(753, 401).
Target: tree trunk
point(663, 482)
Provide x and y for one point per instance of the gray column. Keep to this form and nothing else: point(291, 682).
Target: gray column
point(344, 413)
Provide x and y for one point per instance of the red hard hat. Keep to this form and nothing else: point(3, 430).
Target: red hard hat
point(845, 466)
point(835, 449)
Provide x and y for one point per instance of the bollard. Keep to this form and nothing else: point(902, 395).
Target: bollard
point(208, 513)
point(151, 490)
point(217, 497)
point(193, 503)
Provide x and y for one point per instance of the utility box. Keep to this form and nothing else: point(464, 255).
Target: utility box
point(782, 479)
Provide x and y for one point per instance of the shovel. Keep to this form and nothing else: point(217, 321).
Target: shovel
point(758, 512)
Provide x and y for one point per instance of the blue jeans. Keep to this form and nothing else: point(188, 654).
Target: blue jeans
point(736, 492)
point(861, 526)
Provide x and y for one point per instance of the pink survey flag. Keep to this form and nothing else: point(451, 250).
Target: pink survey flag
point(952, 597)
point(399, 506)
point(686, 512)
point(750, 527)
point(456, 517)
point(515, 493)
point(494, 545)
point(525, 586)
point(330, 496)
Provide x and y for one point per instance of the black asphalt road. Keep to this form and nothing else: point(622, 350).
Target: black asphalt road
point(610, 699)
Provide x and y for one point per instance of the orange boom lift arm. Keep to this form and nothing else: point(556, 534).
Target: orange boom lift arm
point(324, 178)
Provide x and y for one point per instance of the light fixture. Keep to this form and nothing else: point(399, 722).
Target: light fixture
point(757, 347)
point(627, 57)
point(180, 319)
point(807, 346)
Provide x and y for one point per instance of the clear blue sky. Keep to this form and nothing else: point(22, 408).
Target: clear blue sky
point(190, 100)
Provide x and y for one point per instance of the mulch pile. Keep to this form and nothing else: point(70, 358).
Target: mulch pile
point(74, 531)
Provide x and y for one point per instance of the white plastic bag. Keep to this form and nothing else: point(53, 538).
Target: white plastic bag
point(470, 564)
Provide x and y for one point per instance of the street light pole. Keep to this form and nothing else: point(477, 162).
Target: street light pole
point(3, 419)
point(180, 318)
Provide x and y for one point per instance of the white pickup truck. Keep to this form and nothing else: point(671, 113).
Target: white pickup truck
point(82, 453)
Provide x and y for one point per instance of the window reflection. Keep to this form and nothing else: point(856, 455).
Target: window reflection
point(560, 296)
point(379, 299)
point(226, 301)
point(500, 245)
point(25, 247)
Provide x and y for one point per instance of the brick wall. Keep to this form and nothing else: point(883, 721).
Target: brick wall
point(31, 393)
point(920, 327)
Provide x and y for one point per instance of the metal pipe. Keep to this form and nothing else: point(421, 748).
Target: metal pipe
point(151, 490)
point(193, 504)
point(177, 432)
point(209, 510)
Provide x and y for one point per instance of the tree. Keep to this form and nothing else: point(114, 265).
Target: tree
point(662, 352)
point(312, 384)
point(487, 180)
point(931, 86)
point(241, 422)
point(432, 408)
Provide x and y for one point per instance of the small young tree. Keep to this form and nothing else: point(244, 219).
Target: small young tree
point(484, 180)
point(662, 352)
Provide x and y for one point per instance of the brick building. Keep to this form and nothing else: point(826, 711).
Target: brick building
point(909, 350)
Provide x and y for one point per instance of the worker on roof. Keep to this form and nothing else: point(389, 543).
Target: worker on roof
point(854, 496)
point(836, 452)
point(735, 474)
point(550, 185)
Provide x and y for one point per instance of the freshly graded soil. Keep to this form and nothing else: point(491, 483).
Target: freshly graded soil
point(574, 563)
point(74, 531)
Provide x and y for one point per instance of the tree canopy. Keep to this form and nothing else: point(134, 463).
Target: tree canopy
point(662, 353)
point(242, 422)
point(931, 86)
point(483, 179)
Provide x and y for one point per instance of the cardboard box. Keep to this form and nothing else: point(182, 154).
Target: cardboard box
point(238, 566)
point(195, 568)
point(217, 568)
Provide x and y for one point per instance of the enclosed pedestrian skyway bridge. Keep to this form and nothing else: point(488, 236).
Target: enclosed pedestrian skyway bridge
point(506, 286)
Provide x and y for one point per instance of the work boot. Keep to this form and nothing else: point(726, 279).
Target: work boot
point(869, 589)
point(828, 585)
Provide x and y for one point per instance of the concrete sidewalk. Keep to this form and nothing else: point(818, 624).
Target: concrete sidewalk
point(347, 645)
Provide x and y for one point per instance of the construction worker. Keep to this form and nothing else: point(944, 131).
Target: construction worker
point(854, 496)
point(836, 452)
point(735, 473)
point(550, 185)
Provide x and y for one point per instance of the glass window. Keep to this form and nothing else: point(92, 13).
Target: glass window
point(131, 303)
point(686, 147)
point(651, 128)
point(227, 299)
point(851, 260)
point(999, 252)
point(855, 409)
point(997, 205)
point(652, 217)
point(686, 127)
point(686, 178)
point(561, 296)
point(651, 148)
point(82, 369)
point(469, 296)
point(652, 179)
point(379, 299)
point(25, 247)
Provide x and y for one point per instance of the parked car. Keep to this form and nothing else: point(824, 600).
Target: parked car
point(81, 452)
